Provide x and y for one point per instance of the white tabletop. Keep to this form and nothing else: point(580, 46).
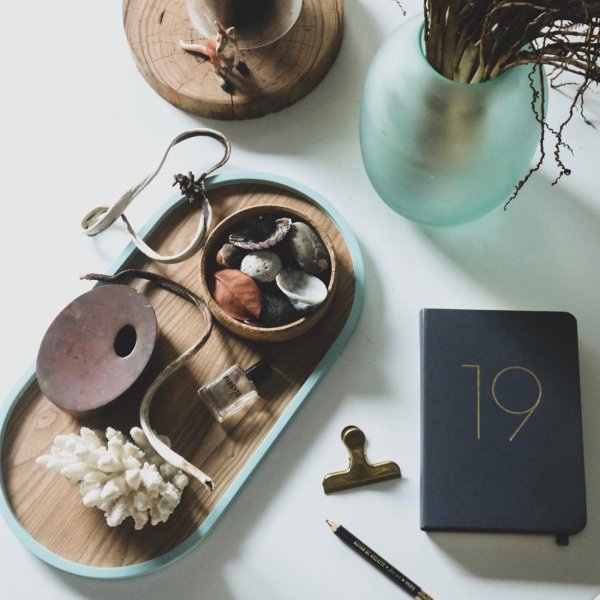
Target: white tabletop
point(79, 125)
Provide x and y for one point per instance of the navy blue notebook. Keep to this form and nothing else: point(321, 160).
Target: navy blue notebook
point(502, 444)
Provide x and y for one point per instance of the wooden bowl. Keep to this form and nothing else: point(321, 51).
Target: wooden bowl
point(208, 265)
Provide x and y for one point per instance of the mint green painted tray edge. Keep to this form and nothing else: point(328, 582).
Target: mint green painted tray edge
point(216, 181)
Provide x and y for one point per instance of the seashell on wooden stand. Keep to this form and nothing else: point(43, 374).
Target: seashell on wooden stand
point(282, 72)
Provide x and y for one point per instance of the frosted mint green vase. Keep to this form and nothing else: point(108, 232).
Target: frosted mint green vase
point(440, 152)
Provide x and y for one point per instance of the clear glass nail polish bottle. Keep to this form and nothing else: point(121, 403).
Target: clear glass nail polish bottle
point(233, 389)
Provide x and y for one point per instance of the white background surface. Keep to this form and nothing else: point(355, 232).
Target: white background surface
point(79, 125)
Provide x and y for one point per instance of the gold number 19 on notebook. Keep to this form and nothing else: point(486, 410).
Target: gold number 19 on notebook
point(527, 411)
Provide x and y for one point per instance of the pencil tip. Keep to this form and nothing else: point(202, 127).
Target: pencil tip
point(333, 526)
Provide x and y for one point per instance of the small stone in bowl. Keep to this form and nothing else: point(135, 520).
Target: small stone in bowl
point(276, 309)
point(262, 265)
point(308, 249)
point(230, 256)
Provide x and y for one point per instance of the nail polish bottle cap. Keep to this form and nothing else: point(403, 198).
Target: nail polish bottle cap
point(258, 371)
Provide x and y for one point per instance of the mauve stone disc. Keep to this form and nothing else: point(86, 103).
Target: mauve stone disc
point(96, 348)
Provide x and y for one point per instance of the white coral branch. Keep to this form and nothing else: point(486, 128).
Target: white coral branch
point(118, 476)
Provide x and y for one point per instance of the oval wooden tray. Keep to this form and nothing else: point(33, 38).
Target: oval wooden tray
point(46, 512)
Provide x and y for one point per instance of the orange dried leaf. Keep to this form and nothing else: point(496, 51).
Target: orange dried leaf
point(237, 294)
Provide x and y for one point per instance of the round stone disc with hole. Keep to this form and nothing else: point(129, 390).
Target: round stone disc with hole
point(96, 348)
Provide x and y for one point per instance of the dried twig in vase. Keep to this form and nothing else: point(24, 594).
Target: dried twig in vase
point(471, 41)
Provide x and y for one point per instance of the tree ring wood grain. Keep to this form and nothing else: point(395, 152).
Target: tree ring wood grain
point(282, 72)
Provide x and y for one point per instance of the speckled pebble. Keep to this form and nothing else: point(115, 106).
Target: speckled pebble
point(230, 256)
point(276, 309)
point(308, 249)
point(262, 265)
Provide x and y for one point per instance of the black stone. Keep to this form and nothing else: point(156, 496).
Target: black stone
point(276, 308)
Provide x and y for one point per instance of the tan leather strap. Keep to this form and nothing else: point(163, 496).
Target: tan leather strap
point(153, 438)
point(102, 217)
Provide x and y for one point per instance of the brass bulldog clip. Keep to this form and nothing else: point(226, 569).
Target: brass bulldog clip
point(360, 471)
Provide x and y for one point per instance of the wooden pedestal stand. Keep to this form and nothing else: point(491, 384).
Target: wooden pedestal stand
point(282, 72)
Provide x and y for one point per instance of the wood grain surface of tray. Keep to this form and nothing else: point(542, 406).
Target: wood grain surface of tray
point(45, 511)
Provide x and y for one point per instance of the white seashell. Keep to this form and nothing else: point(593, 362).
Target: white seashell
point(120, 478)
point(304, 291)
point(262, 265)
